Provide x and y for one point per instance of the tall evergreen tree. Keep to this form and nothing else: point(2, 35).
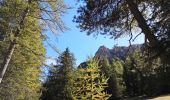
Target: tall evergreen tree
point(59, 84)
point(15, 14)
point(51, 87)
point(22, 78)
point(67, 62)
point(108, 70)
point(22, 23)
point(117, 72)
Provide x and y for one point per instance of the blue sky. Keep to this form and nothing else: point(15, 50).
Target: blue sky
point(78, 42)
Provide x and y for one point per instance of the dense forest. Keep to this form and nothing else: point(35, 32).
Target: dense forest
point(120, 73)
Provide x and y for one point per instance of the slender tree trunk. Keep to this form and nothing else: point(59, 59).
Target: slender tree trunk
point(12, 46)
point(7, 60)
point(153, 42)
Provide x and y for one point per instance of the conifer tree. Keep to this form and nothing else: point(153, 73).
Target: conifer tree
point(113, 70)
point(22, 78)
point(22, 52)
point(90, 83)
point(118, 17)
point(107, 70)
point(15, 15)
point(67, 62)
point(51, 87)
point(59, 84)
point(117, 68)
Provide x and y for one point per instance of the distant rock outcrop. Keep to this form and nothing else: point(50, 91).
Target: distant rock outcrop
point(116, 52)
point(103, 52)
point(119, 52)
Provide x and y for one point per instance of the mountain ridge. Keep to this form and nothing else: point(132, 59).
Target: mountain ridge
point(117, 52)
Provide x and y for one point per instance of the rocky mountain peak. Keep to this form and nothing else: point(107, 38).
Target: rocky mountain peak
point(103, 52)
point(116, 52)
point(119, 52)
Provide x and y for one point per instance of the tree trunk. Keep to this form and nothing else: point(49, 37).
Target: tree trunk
point(153, 42)
point(13, 44)
point(7, 60)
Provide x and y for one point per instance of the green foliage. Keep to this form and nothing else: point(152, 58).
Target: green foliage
point(90, 83)
point(22, 78)
point(133, 76)
point(114, 70)
point(117, 69)
point(122, 17)
point(145, 77)
point(21, 22)
point(59, 83)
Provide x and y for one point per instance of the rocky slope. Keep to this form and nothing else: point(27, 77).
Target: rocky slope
point(119, 52)
point(116, 52)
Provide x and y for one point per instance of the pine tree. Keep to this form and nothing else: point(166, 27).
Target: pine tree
point(22, 51)
point(66, 70)
point(61, 78)
point(117, 72)
point(107, 70)
point(90, 83)
point(22, 78)
point(118, 17)
point(51, 87)
point(134, 72)
point(15, 15)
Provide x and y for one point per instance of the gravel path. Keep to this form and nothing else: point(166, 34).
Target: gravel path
point(163, 97)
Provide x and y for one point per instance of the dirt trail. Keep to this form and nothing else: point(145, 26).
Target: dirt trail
point(163, 97)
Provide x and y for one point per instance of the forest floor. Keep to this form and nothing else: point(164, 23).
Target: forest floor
point(162, 97)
